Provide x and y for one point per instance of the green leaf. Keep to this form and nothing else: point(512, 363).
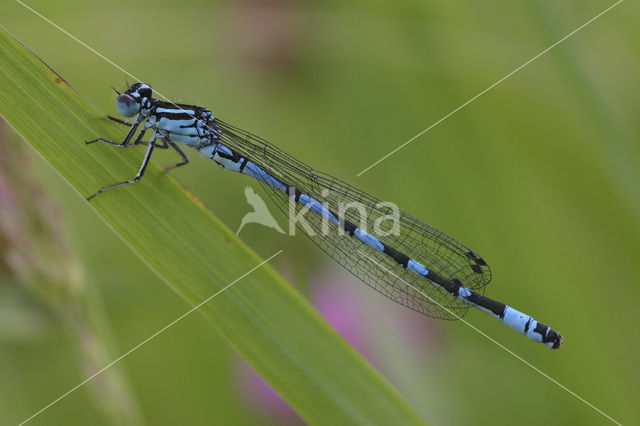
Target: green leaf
point(262, 316)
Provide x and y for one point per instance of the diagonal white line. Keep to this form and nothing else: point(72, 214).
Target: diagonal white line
point(239, 148)
point(494, 341)
point(89, 47)
point(490, 87)
point(78, 40)
point(88, 379)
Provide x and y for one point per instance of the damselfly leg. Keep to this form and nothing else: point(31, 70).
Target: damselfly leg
point(143, 167)
point(185, 159)
point(119, 121)
point(127, 139)
point(166, 143)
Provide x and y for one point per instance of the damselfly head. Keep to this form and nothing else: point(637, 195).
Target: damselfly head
point(130, 102)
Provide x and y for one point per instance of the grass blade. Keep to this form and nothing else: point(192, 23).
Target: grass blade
point(262, 316)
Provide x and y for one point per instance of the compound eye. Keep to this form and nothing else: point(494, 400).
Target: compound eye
point(127, 105)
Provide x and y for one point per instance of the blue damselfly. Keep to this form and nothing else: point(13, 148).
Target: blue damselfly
point(416, 266)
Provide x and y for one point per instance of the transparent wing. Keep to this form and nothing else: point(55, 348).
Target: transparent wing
point(421, 242)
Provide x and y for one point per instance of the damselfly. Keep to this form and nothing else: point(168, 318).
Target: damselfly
point(417, 266)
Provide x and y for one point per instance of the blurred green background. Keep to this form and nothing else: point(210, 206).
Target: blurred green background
point(539, 175)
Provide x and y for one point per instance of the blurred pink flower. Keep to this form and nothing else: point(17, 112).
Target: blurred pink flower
point(361, 317)
point(263, 397)
point(339, 303)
